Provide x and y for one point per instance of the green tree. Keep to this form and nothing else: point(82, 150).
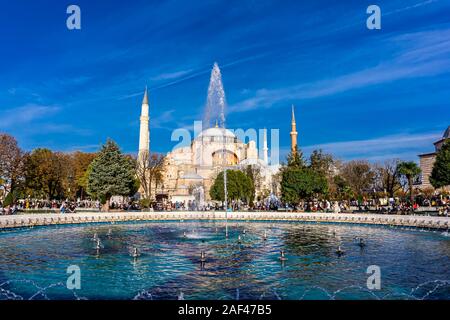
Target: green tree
point(302, 184)
point(111, 173)
point(80, 164)
point(321, 162)
point(239, 187)
point(342, 188)
point(46, 174)
point(254, 173)
point(410, 171)
point(295, 159)
point(440, 175)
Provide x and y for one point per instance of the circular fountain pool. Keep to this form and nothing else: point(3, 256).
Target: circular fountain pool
point(414, 264)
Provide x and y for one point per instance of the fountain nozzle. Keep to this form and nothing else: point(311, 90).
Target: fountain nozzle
point(282, 256)
point(339, 251)
point(202, 257)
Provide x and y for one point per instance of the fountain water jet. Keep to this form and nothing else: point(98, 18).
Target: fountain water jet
point(215, 105)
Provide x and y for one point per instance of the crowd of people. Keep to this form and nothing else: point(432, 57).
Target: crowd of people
point(440, 206)
point(39, 205)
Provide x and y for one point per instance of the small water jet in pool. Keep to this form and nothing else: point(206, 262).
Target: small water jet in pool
point(239, 240)
point(265, 235)
point(244, 231)
point(202, 257)
point(109, 234)
point(181, 295)
point(282, 256)
point(98, 244)
point(135, 253)
point(95, 237)
point(361, 243)
point(339, 251)
point(184, 235)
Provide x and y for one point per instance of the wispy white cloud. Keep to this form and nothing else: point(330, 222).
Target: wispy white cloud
point(420, 54)
point(163, 119)
point(25, 114)
point(416, 5)
point(404, 146)
point(170, 75)
point(36, 120)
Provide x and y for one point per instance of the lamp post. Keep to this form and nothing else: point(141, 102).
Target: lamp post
point(225, 192)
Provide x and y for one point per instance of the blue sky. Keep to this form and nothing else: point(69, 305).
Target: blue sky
point(358, 93)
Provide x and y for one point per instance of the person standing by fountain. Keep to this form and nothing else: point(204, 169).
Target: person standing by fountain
point(62, 209)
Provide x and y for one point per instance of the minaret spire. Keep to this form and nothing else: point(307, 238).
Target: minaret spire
point(293, 133)
point(145, 99)
point(144, 132)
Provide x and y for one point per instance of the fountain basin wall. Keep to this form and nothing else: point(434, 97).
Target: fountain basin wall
point(30, 220)
point(241, 261)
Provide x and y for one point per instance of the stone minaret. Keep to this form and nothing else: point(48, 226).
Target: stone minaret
point(293, 132)
point(144, 132)
point(265, 149)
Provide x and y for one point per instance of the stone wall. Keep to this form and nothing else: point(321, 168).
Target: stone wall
point(426, 165)
point(32, 220)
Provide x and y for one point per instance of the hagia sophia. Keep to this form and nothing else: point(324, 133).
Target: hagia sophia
point(190, 171)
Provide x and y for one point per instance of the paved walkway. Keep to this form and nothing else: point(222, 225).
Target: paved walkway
point(29, 220)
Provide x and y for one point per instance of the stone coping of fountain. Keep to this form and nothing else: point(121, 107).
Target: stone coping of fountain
point(30, 220)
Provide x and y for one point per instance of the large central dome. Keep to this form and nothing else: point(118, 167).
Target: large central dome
point(217, 132)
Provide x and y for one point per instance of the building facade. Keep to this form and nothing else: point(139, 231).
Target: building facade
point(190, 171)
point(427, 160)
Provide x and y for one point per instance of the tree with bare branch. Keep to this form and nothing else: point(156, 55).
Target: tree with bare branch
point(359, 175)
point(11, 163)
point(387, 176)
point(149, 170)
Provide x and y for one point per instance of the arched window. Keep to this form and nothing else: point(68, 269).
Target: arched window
point(231, 158)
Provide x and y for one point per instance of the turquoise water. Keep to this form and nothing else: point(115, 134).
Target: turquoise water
point(414, 264)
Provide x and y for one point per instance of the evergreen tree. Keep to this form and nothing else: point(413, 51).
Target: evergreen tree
point(295, 159)
point(321, 162)
point(111, 173)
point(299, 181)
point(440, 176)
